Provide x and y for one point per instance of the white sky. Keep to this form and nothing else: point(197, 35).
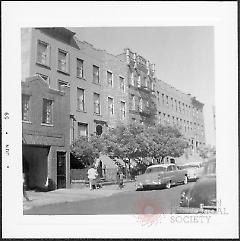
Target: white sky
point(184, 57)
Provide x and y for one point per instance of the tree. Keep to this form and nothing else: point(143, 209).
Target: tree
point(86, 150)
point(166, 141)
point(140, 141)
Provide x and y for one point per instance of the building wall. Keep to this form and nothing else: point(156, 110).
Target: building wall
point(189, 120)
point(143, 88)
point(90, 57)
point(42, 141)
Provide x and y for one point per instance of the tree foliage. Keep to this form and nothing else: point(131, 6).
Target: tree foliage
point(132, 141)
point(86, 150)
point(139, 141)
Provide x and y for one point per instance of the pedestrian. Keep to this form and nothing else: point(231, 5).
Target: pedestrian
point(92, 176)
point(104, 170)
point(24, 188)
point(121, 180)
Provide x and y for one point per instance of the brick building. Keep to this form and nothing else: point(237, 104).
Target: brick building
point(141, 83)
point(45, 135)
point(105, 89)
point(182, 110)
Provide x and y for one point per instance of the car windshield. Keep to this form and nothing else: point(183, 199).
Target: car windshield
point(155, 169)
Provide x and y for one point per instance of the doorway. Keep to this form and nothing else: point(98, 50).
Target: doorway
point(61, 169)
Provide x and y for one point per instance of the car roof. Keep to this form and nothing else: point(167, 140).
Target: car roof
point(162, 165)
point(190, 163)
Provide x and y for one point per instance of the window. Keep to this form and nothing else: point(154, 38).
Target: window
point(110, 79)
point(47, 117)
point(96, 100)
point(145, 81)
point(122, 84)
point(159, 117)
point(176, 105)
point(167, 100)
point(25, 107)
point(80, 99)
point(139, 81)
point(152, 85)
point(172, 102)
point(158, 95)
point(63, 61)
point(123, 109)
point(183, 107)
point(44, 77)
point(61, 85)
point(133, 102)
point(82, 129)
point(140, 104)
point(163, 99)
point(132, 79)
point(43, 53)
point(80, 68)
point(110, 105)
point(95, 74)
point(179, 104)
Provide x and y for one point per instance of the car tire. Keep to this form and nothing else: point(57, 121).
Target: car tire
point(185, 181)
point(168, 185)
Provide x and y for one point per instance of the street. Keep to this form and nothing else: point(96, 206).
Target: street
point(158, 201)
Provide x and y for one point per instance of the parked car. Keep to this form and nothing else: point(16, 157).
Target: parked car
point(201, 197)
point(194, 170)
point(161, 175)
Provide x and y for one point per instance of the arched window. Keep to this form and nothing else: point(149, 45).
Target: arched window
point(99, 130)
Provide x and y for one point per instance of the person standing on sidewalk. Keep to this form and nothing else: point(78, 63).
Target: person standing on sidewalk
point(92, 176)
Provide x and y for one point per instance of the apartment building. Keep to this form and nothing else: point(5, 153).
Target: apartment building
point(105, 90)
point(141, 84)
point(181, 110)
point(97, 79)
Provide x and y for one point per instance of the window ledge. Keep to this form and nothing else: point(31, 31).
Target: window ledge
point(82, 78)
point(83, 111)
point(96, 83)
point(48, 125)
point(97, 114)
point(63, 72)
point(43, 65)
point(26, 122)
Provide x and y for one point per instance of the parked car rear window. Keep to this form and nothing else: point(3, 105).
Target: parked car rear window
point(155, 169)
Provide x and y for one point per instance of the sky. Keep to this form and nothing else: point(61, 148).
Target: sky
point(183, 56)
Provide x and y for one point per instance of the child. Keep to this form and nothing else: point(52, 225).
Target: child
point(121, 180)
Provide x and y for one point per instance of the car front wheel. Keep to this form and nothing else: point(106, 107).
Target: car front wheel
point(185, 180)
point(168, 185)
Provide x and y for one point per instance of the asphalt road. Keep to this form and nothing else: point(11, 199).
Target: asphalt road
point(160, 201)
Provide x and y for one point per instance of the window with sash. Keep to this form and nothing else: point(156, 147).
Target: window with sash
point(122, 84)
point(43, 53)
point(96, 101)
point(80, 68)
point(47, 116)
point(63, 61)
point(110, 79)
point(25, 107)
point(140, 107)
point(110, 106)
point(82, 129)
point(123, 110)
point(95, 74)
point(80, 99)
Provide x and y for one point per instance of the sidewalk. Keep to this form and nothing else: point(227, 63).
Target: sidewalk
point(72, 195)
